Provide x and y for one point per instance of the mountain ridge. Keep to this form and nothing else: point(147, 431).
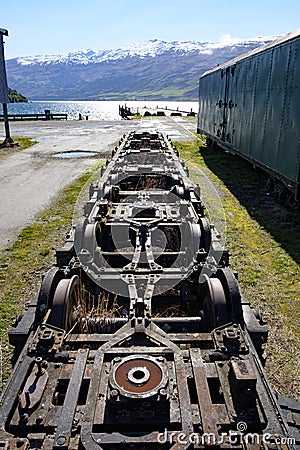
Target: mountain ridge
point(152, 48)
point(153, 69)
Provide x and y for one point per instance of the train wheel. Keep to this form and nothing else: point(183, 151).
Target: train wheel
point(65, 301)
point(205, 234)
point(47, 290)
point(88, 236)
point(79, 233)
point(213, 303)
point(232, 294)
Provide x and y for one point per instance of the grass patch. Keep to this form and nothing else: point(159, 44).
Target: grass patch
point(264, 240)
point(23, 143)
point(33, 253)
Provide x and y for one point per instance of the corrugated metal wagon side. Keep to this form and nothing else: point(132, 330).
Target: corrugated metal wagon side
point(251, 105)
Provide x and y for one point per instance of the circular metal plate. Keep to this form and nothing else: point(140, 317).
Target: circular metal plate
point(138, 376)
point(132, 370)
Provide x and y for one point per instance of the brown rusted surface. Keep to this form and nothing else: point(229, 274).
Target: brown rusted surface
point(132, 376)
point(34, 387)
point(207, 409)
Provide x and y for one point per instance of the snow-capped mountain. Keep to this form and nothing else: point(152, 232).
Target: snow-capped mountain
point(151, 48)
point(152, 69)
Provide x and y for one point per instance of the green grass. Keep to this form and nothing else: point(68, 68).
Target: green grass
point(264, 241)
point(22, 143)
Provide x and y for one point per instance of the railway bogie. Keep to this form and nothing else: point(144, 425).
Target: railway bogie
point(140, 336)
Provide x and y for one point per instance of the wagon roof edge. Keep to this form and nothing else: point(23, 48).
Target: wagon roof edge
point(281, 40)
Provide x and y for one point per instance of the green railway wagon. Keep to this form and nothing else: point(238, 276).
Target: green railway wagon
point(251, 106)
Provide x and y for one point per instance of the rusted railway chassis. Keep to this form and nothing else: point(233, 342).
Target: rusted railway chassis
point(140, 337)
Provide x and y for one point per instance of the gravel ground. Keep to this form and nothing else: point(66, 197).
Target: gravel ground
point(31, 178)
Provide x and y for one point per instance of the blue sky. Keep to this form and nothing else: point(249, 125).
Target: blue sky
point(38, 27)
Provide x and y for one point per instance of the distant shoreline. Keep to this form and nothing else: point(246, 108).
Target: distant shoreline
point(95, 109)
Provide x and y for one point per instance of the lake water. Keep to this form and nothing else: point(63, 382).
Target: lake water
point(96, 110)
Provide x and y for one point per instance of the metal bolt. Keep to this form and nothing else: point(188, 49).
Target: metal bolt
point(163, 393)
point(38, 362)
point(61, 440)
point(114, 393)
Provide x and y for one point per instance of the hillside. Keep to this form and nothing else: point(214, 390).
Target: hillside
point(152, 70)
point(15, 97)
